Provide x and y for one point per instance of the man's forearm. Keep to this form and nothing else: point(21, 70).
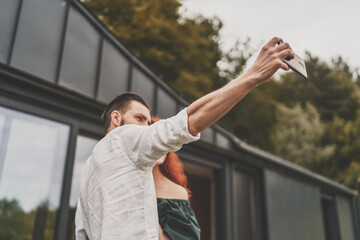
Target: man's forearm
point(210, 108)
point(207, 110)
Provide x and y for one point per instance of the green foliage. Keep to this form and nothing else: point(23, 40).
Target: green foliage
point(14, 223)
point(331, 89)
point(297, 135)
point(17, 224)
point(345, 135)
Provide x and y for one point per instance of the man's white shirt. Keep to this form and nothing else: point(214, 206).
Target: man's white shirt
point(117, 193)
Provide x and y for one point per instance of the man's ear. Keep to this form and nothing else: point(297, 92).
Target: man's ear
point(116, 118)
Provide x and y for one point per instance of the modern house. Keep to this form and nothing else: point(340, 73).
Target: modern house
point(59, 66)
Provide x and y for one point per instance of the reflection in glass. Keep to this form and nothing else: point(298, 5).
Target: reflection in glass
point(166, 105)
point(82, 41)
point(8, 10)
point(143, 86)
point(32, 156)
point(84, 147)
point(38, 37)
point(113, 74)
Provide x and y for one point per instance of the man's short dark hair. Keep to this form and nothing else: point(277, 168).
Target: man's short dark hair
point(120, 103)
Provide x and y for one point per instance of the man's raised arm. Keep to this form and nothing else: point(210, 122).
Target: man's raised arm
point(208, 109)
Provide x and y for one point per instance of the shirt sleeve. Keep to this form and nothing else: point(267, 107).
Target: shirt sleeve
point(80, 233)
point(144, 145)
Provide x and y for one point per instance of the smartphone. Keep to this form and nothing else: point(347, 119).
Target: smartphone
point(297, 64)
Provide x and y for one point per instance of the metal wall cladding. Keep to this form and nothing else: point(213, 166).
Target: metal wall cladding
point(38, 37)
point(293, 209)
point(80, 57)
point(8, 9)
point(113, 74)
point(347, 230)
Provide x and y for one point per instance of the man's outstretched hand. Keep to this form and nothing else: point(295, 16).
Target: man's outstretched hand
point(211, 107)
point(269, 60)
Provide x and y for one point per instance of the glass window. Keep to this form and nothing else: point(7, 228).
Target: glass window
point(345, 218)
point(37, 42)
point(166, 105)
point(244, 206)
point(143, 86)
point(222, 141)
point(79, 63)
point(114, 73)
point(207, 135)
point(84, 147)
point(33, 152)
point(293, 208)
point(8, 9)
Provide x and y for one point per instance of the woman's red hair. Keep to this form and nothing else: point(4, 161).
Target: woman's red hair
point(172, 167)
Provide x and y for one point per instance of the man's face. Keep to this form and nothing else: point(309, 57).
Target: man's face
point(136, 113)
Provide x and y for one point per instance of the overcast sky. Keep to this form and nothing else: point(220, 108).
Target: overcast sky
point(326, 28)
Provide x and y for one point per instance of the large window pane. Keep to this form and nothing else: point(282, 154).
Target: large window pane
point(345, 219)
point(143, 86)
point(38, 37)
point(114, 73)
point(79, 62)
point(8, 10)
point(293, 209)
point(32, 156)
point(166, 105)
point(84, 147)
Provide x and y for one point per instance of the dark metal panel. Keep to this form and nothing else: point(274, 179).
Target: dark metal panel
point(293, 209)
point(9, 17)
point(248, 203)
point(38, 38)
point(346, 223)
point(114, 73)
point(98, 66)
point(143, 85)
point(62, 41)
point(166, 105)
point(79, 61)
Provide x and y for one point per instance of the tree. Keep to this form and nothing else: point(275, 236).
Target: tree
point(345, 136)
point(330, 88)
point(182, 51)
point(297, 135)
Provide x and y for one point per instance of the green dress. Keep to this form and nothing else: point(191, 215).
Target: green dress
point(177, 219)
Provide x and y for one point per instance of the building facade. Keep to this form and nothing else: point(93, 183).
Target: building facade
point(59, 66)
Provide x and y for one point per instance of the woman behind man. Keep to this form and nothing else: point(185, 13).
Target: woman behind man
point(176, 217)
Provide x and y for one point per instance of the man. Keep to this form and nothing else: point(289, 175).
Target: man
point(117, 195)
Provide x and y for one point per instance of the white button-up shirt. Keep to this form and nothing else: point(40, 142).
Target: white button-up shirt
point(117, 193)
